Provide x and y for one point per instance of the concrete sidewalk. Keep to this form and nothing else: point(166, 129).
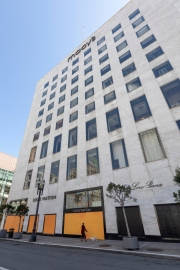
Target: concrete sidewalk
point(150, 249)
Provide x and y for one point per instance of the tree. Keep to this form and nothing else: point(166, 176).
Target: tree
point(21, 211)
point(7, 209)
point(176, 179)
point(120, 194)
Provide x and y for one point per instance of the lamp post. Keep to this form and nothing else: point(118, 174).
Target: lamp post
point(40, 189)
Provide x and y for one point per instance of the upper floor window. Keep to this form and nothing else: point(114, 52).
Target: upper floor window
point(148, 41)
point(107, 82)
point(105, 69)
point(138, 22)
point(50, 106)
point(132, 85)
point(27, 179)
point(52, 95)
point(54, 172)
point(87, 51)
point(63, 78)
point(62, 98)
point(118, 154)
point(89, 59)
point(89, 93)
point(41, 112)
point(87, 70)
point(60, 110)
point(140, 108)
point(92, 161)
point(124, 57)
point(73, 116)
point(116, 28)
point(38, 124)
point(178, 123)
point(73, 102)
point(43, 102)
point(53, 86)
point(129, 69)
point(44, 93)
point(64, 70)
point(109, 97)
point(121, 46)
point(113, 120)
point(36, 136)
point(119, 36)
point(44, 149)
point(75, 79)
point(63, 88)
point(89, 80)
point(72, 137)
point(59, 124)
point(103, 59)
point(134, 14)
point(171, 92)
point(74, 90)
point(55, 78)
point(71, 167)
point(91, 130)
point(32, 154)
point(47, 131)
point(57, 144)
point(75, 70)
point(162, 69)
point(100, 41)
point(40, 174)
point(142, 31)
point(90, 107)
point(154, 54)
point(102, 49)
point(46, 85)
point(75, 61)
point(48, 117)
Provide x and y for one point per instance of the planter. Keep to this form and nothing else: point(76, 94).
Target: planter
point(3, 233)
point(131, 242)
point(17, 235)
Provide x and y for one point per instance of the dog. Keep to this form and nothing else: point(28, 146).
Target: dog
point(94, 238)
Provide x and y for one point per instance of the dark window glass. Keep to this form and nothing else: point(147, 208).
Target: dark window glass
point(121, 46)
point(113, 120)
point(171, 92)
point(38, 124)
point(59, 124)
point(92, 161)
point(162, 69)
point(87, 70)
point(46, 85)
point(43, 102)
point(27, 179)
point(74, 90)
point(140, 108)
point(44, 93)
point(90, 107)
point(105, 70)
point(44, 149)
point(55, 78)
point(48, 117)
point(50, 106)
point(154, 54)
point(89, 59)
point(116, 28)
point(107, 82)
point(87, 51)
point(137, 22)
point(41, 112)
point(129, 69)
point(118, 155)
point(53, 86)
point(109, 97)
point(71, 167)
point(62, 98)
point(63, 79)
point(91, 130)
point(75, 61)
point(148, 41)
point(32, 154)
point(64, 70)
point(75, 70)
point(124, 57)
point(100, 41)
point(40, 174)
point(57, 144)
point(72, 137)
point(89, 80)
point(75, 79)
point(63, 88)
point(47, 131)
point(54, 172)
point(36, 137)
point(178, 123)
point(119, 36)
point(60, 110)
point(73, 117)
point(102, 49)
point(142, 31)
point(52, 95)
point(136, 12)
point(132, 85)
point(89, 93)
point(73, 102)
point(103, 59)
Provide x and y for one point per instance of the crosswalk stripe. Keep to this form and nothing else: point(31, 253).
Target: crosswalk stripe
point(2, 268)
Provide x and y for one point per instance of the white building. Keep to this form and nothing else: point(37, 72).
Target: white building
point(108, 112)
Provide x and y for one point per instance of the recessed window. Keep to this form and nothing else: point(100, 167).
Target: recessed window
point(75, 61)
point(41, 112)
point(64, 70)
point(72, 137)
point(59, 124)
point(103, 59)
point(73, 102)
point(121, 46)
point(154, 54)
point(118, 155)
point(113, 120)
point(63, 78)
point(55, 78)
point(102, 49)
point(27, 179)
point(63, 88)
point(44, 93)
point(142, 31)
point(71, 167)
point(87, 51)
point(107, 82)
point(105, 69)
point(36, 137)
point(57, 144)
point(116, 28)
point(88, 81)
point(132, 85)
point(89, 93)
point(52, 95)
point(178, 123)
point(38, 124)
point(89, 59)
point(46, 85)
point(40, 174)
point(119, 36)
point(32, 154)
point(171, 92)
point(91, 130)
point(124, 57)
point(44, 149)
point(134, 14)
point(75, 70)
point(53, 86)
point(109, 97)
point(148, 41)
point(100, 41)
point(50, 106)
point(62, 98)
point(54, 172)
point(48, 117)
point(92, 161)
point(138, 22)
point(73, 116)
point(74, 90)
point(90, 107)
point(75, 79)
point(129, 69)
point(152, 146)
point(60, 110)
point(140, 108)
point(47, 131)
point(87, 70)
point(162, 69)
point(43, 102)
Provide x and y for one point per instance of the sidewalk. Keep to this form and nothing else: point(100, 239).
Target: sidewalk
point(150, 249)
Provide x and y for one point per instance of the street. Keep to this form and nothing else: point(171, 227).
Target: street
point(20, 256)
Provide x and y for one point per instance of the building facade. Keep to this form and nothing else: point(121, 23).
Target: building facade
point(108, 112)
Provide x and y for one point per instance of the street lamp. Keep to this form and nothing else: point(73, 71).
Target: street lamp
point(40, 188)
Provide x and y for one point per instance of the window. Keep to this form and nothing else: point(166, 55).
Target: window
point(60, 110)
point(44, 149)
point(171, 92)
point(38, 124)
point(71, 167)
point(89, 80)
point(72, 137)
point(121, 46)
point(50, 106)
point(100, 41)
point(148, 41)
point(113, 120)
point(151, 144)
point(32, 154)
point(59, 124)
point(41, 112)
point(137, 22)
point(116, 28)
point(73, 116)
point(119, 36)
point(74, 90)
point(124, 57)
point(87, 70)
point(154, 54)
point(132, 85)
point(178, 123)
point(64, 70)
point(74, 102)
point(40, 174)
point(140, 108)
point(129, 69)
point(75, 70)
point(89, 59)
point(63, 78)
point(102, 49)
point(62, 98)
point(47, 131)
point(87, 51)
point(75, 61)
point(28, 179)
point(52, 95)
point(46, 85)
point(90, 107)
point(43, 102)
point(53, 86)
point(92, 161)
point(162, 69)
point(48, 117)
point(105, 70)
point(91, 131)
point(75, 79)
point(63, 88)
point(118, 155)
point(89, 93)
point(103, 59)
point(54, 172)
point(107, 82)
point(109, 97)
point(142, 31)
point(36, 137)
point(55, 78)
point(44, 93)
point(57, 144)
point(134, 14)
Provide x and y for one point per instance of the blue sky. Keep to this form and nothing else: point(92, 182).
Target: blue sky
point(35, 36)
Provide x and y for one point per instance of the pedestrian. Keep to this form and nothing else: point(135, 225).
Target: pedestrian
point(83, 232)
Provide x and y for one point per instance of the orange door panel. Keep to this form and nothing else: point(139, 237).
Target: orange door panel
point(13, 222)
point(31, 224)
point(49, 224)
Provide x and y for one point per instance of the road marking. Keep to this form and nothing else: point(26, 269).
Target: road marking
point(143, 245)
point(2, 268)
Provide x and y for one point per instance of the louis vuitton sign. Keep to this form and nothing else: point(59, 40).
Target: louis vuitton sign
point(45, 198)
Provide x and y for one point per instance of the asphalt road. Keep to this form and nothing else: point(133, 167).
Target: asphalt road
point(19, 256)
